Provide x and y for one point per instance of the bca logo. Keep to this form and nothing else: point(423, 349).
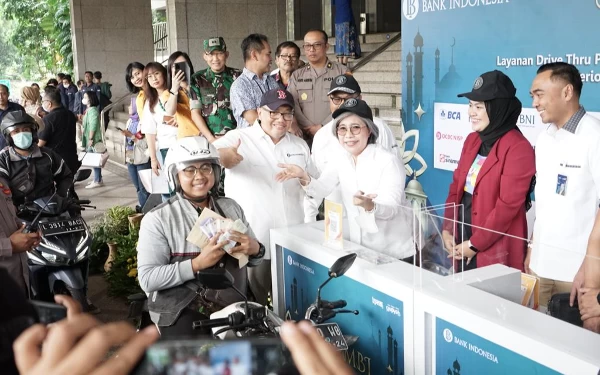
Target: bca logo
point(290, 260)
point(410, 9)
point(450, 115)
point(443, 114)
point(448, 335)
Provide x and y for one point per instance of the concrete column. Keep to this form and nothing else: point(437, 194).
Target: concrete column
point(108, 35)
point(192, 21)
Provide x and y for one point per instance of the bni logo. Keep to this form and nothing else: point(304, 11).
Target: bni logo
point(290, 261)
point(410, 9)
point(448, 335)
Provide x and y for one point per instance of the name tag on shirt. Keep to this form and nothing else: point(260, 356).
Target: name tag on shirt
point(561, 185)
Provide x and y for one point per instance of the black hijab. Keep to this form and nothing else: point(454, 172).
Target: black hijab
point(503, 114)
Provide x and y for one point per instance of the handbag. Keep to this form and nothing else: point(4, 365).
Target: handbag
point(96, 157)
point(139, 154)
point(559, 307)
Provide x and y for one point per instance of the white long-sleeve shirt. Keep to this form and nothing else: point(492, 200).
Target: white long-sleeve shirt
point(326, 146)
point(376, 171)
point(267, 203)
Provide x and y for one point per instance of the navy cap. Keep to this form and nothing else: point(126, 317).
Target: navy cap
point(357, 106)
point(275, 98)
point(491, 85)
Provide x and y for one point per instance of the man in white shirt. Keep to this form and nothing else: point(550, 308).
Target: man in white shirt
point(568, 180)
point(251, 157)
point(326, 146)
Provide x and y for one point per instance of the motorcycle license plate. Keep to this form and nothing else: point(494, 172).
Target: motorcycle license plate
point(332, 333)
point(54, 228)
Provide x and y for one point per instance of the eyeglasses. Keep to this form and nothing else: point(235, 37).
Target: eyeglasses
point(289, 57)
point(288, 116)
point(354, 129)
point(315, 46)
point(205, 170)
point(338, 101)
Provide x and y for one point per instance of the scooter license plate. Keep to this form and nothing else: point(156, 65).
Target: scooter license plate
point(332, 333)
point(54, 228)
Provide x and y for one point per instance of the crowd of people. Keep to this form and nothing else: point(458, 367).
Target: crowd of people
point(266, 147)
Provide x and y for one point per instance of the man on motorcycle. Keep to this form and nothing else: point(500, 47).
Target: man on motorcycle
point(33, 172)
point(167, 263)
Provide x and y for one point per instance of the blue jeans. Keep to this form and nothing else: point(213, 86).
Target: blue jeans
point(135, 179)
point(97, 174)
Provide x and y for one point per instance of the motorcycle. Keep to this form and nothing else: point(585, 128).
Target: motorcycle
point(59, 264)
point(322, 310)
point(239, 319)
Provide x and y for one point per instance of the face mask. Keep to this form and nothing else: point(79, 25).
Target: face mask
point(23, 140)
point(66, 85)
point(45, 107)
point(85, 101)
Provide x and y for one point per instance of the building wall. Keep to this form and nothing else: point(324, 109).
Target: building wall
point(192, 21)
point(108, 35)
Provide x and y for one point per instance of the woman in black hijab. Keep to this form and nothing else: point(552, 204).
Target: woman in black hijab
point(491, 185)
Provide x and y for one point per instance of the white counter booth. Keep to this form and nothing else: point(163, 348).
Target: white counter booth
point(415, 321)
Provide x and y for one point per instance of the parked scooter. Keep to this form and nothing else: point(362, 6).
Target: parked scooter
point(59, 264)
point(322, 310)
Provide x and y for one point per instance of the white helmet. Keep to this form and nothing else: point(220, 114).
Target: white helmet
point(187, 150)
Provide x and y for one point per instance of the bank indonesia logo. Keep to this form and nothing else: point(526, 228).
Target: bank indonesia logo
point(448, 335)
point(290, 260)
point(410, 9)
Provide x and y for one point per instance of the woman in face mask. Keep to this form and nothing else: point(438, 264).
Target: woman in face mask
point(491, 185)
point(92, 132)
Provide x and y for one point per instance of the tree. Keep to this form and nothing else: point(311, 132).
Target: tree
point(41, 35)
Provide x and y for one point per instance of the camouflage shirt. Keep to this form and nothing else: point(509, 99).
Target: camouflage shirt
point(210, 94)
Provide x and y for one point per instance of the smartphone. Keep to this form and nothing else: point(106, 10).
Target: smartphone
point(185, 68)
point(206, 356)
point(49, 312)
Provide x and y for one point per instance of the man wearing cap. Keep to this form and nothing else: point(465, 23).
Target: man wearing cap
point(251, 156)
point(210, 100)
point(567, 156)
point(325, 145)
point(309, 84)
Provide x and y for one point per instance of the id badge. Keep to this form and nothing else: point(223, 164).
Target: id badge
point(561, 185)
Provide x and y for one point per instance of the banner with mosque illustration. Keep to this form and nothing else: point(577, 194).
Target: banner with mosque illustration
point(447, 44)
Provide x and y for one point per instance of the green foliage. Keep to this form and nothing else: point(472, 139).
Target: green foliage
point(122, 277)
point(116, 222)
point(40, 33)
point(99, 251)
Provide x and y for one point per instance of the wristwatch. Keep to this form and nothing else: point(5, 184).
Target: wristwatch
point(261, 251)
point(472, 247)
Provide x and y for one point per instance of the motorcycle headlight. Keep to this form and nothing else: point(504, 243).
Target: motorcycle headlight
point(49, 257)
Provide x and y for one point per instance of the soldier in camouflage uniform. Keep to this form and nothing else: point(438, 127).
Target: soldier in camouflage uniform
point(210, 104)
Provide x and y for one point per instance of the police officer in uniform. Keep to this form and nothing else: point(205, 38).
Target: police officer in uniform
point(309, 85)
point(14, 244)
point(211, 105)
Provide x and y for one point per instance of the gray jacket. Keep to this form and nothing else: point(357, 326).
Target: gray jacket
point(165, 259)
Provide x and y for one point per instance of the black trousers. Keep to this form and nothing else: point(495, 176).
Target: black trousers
point(183, 327)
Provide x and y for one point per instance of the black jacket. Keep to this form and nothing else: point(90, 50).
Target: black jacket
point(36, 176)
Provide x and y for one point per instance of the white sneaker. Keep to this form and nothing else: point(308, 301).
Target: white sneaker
point(94, 185)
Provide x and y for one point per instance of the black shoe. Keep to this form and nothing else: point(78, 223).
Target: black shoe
point(90, 308)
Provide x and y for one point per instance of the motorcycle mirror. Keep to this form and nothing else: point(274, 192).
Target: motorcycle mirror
point(218, 278)
point(342, 265)
point(82, 175)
